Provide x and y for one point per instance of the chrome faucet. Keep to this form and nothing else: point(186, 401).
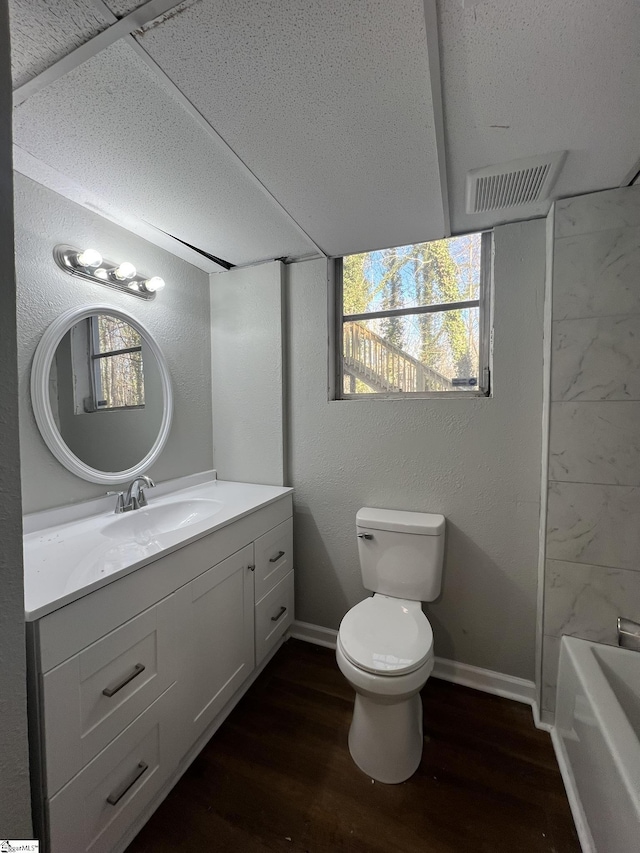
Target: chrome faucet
point(629, 634)
point(135, 497)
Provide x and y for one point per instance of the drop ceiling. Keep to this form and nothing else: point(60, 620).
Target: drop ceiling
point(287, 128)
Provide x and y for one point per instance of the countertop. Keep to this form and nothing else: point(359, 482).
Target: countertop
point(66, 558)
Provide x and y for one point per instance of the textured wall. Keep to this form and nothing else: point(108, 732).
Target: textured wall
point(178, 319)
point(247, 371)
point(15, 815)
point(475, 460)
point(592, 571)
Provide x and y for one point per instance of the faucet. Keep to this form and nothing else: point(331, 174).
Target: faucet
point(135, 497)
point(629, 634)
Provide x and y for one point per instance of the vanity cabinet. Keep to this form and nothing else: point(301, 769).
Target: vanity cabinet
point(129, 682)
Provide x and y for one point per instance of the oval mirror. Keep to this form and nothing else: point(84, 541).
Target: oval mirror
point(101, 394)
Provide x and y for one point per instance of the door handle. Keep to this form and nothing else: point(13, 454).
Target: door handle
point(277, 557)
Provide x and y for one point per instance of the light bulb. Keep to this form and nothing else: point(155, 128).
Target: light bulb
point(102, 273)
point(125, 271)
point(89, 258)
point(153, 285)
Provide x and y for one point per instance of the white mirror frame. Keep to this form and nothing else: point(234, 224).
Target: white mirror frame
point(41, 403)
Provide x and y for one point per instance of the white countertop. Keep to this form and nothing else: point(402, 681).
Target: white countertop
point(66, 558)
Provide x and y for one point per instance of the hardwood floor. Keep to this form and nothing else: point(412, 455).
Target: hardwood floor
point(278, 776)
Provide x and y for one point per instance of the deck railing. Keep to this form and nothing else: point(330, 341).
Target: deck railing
point(384, 367)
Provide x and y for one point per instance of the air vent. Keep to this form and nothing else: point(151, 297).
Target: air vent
point(518, 183)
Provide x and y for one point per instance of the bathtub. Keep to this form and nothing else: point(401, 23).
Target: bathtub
point(597, 738)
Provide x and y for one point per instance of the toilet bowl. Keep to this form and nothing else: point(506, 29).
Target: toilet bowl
point(385, 651)
point(385, 643)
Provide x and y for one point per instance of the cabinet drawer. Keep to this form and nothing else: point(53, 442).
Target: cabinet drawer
point(274, 557)
point(89, 699)
point(95, 809)
point(274, 614)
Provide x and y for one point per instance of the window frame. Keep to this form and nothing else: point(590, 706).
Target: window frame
point(95, 360)
point(485, 332)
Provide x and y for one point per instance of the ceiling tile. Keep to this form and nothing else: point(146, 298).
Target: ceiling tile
point(123, 7)
point(112, 126)
point(43, 31)
point(329, 103)
point(523, 78)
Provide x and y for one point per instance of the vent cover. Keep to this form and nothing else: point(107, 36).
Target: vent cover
point(518, 183)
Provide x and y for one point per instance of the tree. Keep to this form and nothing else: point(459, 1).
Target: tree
point(392, 327)
point(356, 287)
point(426, 286)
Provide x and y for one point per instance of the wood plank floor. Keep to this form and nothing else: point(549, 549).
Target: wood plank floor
point(278, 776)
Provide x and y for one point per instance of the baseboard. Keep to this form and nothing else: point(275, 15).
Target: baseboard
point(486, 680)
point(508, 686)
point(582, 827)
point(315, 634)
point(544, 725)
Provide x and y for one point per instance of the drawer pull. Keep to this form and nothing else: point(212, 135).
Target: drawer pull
point(277, 557)
point(283, 610)
point(122, 789)
point(113, 688)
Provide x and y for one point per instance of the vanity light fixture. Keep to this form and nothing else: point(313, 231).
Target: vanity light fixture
point(90, 265)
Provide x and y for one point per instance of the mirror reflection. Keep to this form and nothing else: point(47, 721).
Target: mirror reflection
point(105, 391)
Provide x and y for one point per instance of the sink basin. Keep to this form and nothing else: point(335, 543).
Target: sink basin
point(160, 518)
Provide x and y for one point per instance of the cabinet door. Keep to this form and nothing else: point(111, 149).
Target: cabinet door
point(222, 651)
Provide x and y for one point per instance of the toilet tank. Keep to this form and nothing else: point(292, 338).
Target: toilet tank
point(401, 553)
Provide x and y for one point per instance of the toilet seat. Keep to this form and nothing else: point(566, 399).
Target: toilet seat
point(386, 636)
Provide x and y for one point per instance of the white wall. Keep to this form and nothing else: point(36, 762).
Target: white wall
point(15, 815)
point(475, 460)
point(247, 374)
point(178, 319)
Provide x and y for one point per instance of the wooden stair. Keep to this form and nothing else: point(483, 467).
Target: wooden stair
point(384, 367)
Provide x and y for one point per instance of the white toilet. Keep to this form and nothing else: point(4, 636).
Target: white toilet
point(385, 643)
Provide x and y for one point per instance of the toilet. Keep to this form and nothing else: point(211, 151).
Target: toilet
point(385, 643)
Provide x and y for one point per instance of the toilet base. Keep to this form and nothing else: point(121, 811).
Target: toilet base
point(385, 740)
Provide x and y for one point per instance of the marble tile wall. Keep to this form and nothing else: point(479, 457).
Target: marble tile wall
point(592, 567)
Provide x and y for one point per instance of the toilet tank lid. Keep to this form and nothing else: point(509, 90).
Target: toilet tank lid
point(425, 523)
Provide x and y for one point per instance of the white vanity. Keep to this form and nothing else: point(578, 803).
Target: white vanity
point(144, 630)
point(148, 616)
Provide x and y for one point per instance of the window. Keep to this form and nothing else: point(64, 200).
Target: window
point(414, 320)
point(117, 374)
